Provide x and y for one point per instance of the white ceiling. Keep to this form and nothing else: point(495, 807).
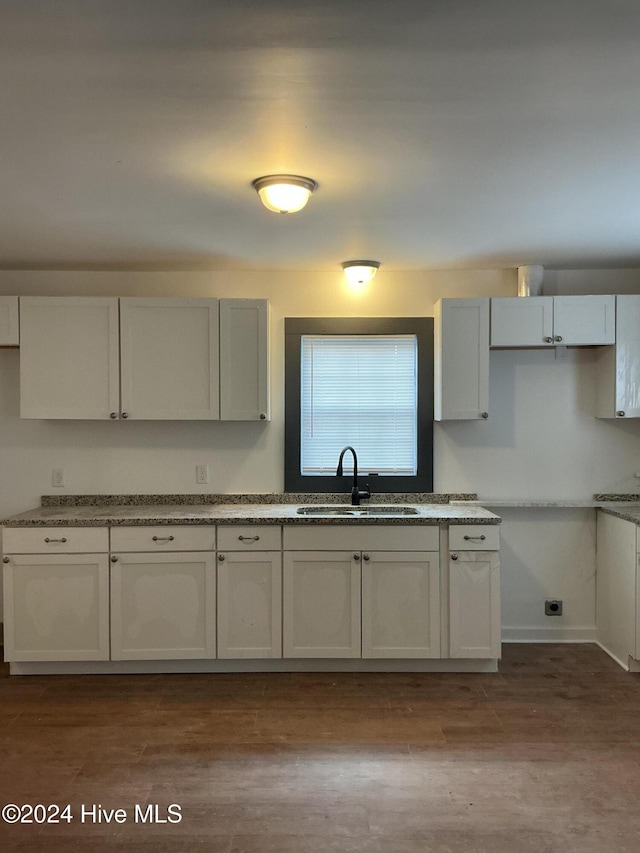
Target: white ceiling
point(442, 133)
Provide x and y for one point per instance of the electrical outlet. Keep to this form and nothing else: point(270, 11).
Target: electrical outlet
point(202, 474)
point(553, 607)
point(57, 478)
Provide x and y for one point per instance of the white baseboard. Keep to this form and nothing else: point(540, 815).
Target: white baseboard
point(281, 665)
point(548, 635)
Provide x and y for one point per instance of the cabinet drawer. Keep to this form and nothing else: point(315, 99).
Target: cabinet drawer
point(474, 537)
point(166, 537)
point(55, 540)
point(250, 537)
point(379, 537)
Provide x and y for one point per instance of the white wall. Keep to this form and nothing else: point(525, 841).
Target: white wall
point(541, 440)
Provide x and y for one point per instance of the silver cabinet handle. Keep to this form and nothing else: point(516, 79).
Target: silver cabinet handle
point(5, 559)
point(484, 415)
point(113, 415)
point(249, 538)
point(558, 338)
point(366, 557)
point(620, 414)
point(548, 340)
point(454, 556)
point(125, 414)
point(163, 538)
point(221, 558)
point(480, 538)
point(356, 556)
point(114, 559)
point(54, 541)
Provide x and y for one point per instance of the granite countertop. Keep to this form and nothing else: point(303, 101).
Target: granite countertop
point(235, 513)
point(626, 511)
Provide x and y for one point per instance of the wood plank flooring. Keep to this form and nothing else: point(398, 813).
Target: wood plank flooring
point(543, 756)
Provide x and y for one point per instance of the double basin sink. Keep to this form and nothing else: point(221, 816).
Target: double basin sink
point(369, 510)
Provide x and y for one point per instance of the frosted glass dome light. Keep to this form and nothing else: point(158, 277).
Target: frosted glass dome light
point(284, 193)
point(358, 272)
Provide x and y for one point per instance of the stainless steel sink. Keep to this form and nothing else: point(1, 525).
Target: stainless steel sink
point(372, 509)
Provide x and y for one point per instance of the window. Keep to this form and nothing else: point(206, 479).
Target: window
point(367, 383)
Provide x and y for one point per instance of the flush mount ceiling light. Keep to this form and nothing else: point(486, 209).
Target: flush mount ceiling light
point(284, 193)
point(358, 272)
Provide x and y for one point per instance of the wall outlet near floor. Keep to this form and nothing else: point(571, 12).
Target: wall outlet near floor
point(57, 478)
point(202, 474)
point(553, 607)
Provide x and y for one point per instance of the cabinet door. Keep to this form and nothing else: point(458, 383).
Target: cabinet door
point(522, 321)
point(9, 329)
point(618, 389)
point(163, 606)
point(474, 604)
point(56, 607)
point(321, 604)
point(400, 605)
point(68, 357)
point(250, 604)
point(461, 388)
point(244, 359)
point(169, 359)
point(584, 320)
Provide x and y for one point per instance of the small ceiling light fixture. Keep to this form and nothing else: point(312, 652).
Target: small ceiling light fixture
point(284, 193)
point(358, 272)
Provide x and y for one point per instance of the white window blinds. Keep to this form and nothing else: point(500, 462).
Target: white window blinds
point(359, 390)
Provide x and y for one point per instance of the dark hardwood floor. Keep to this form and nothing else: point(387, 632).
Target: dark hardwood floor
point(544, 756)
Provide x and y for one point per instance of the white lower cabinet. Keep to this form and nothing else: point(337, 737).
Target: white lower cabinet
point(377, 597)
point(56, 607)
point(250, 604)
point(163, 606)
point(269, 591)
point(617, 594)
point(321, 604)
point(400, 604)
point(474, 604)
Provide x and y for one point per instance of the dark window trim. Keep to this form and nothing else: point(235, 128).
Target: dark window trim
point(294, 328)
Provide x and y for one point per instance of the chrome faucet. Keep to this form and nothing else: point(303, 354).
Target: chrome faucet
point(356, 492)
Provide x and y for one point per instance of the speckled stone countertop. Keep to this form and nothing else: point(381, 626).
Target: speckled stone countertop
point(240, 512)
point(271, 498)
point(626, 511)
point(623, 505)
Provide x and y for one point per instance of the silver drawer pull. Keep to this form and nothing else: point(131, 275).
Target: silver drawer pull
point(249, 538)
point(162, 538)
point(53, 541)
point(480, 538)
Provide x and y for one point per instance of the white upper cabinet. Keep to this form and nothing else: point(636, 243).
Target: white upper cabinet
point(522, 321)
point(169, 359)
point(69, 357)
point(461, 379)
point(552, 321)
point(143, 358)
point(618, 386)
point(244, 359)
point(9, 330)
point(584, 320)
